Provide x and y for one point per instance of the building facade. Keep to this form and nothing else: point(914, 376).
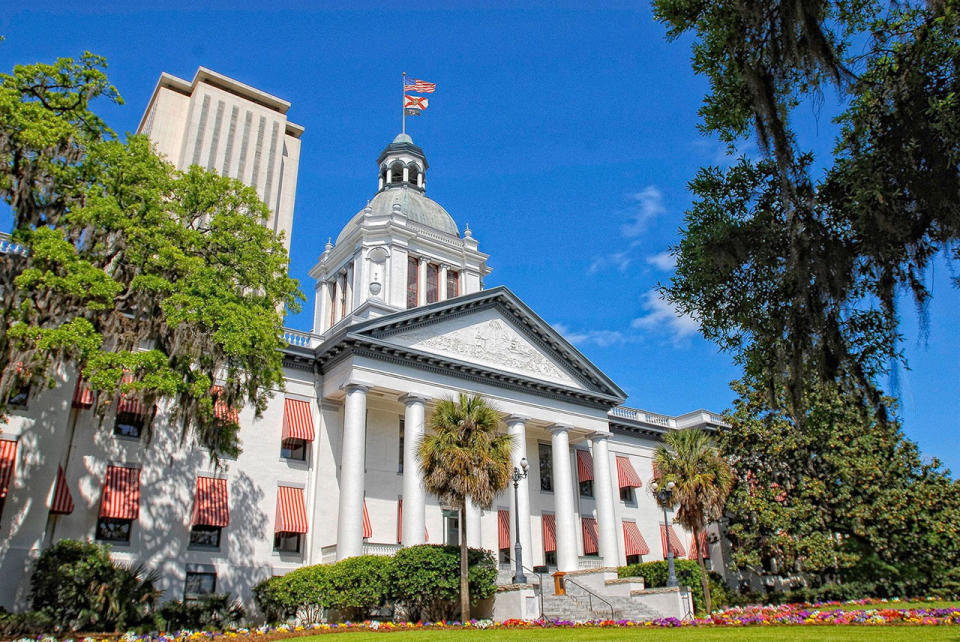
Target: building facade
point(329, 471)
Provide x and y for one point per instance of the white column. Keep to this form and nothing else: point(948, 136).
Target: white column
point(322, 306)
point(406, 174)
point(567, 557)
point(421, 281)
point(603, 494)
point(389, 175)
point(414, 495)
point(517, 428)
point(473, 524)
point(350, 524)
point(442, 284)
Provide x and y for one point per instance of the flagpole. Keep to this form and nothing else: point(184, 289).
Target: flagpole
point(403, 110)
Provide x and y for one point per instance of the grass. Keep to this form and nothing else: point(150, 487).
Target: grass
point(778, 633)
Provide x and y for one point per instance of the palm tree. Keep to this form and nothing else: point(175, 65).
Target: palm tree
point(702, 481)
point(465, 458)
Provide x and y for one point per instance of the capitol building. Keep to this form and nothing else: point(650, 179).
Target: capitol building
point(402, 319)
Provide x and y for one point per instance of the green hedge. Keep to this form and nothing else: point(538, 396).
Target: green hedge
point(424, 581)
point(655, 574)
point(210, 612)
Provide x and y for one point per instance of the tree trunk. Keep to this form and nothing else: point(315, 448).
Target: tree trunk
point(464, 569)
point(704, 580)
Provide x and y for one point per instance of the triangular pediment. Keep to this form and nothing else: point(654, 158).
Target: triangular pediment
point(488, 338)
point(494, 331)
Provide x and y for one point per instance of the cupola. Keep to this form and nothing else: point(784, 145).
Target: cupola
point(402, 164)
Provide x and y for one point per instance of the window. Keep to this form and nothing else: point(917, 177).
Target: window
point(453, 284)
point(451, 528)
point(627, 496)
point(343, 296)
point(294, 449)
point(396, 173)
point(20, 394)
point(413, 174)
point(550, 558)
point(199, 584)
point(586, 488)
point(413, 281)
point(286, 542)
point(545, 454)
point(433, 287)
point(400, 457)
point(128, 424)
point(634, 559)
point(201, 535)
point(333, 303)
point(504, 556)
point(110, 529)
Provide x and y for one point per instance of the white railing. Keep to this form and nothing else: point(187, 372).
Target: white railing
point(370, 548)
point(642, 415)
point(590, 562)
point(299, 338)
point(9, 247)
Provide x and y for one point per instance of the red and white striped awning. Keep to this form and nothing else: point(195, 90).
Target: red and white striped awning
point(678, 550)
point(703, 549)
point(82, 395)
point(8, 463)
point(297, 420)
point(127, 403)
point(584, 465)
point(549, 523)
point(426, 535)
point(627, 476)
point(291, 510)
point(367, 526)
point(121, 493)
point(221, 410)
point(633, 542)
point(62, 501)
point(210, 506)
point(591, 536)
point(503, 528)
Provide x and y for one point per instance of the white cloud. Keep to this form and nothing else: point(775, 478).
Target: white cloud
point(618, 260)
point(599, 338)
point(660, 315)
point(663, 261)
point(647, 205)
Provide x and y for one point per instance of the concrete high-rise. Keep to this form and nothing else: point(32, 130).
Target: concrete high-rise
point(230, 128)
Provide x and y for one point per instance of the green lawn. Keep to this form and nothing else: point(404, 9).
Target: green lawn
point(778, 633)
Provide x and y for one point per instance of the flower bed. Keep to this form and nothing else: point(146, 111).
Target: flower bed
point(786, 614)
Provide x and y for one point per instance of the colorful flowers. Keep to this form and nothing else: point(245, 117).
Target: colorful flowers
point(873, 613)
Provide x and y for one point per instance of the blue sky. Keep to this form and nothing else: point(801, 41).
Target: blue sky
point(564, 136)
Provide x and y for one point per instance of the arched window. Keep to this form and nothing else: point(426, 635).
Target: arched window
point(383, 175)
point(396, 172)
point(414, 172)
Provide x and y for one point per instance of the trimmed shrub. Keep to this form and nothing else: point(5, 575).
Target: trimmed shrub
point(78, 586)
point(210, 612)
point(655, 575)
point(303, 593)
point(426, 580)
point(32, 623)
point(358, 584)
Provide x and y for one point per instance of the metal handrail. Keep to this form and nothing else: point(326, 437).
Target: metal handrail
point(591, 595)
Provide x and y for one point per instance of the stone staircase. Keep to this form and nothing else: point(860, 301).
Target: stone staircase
point(578, 605)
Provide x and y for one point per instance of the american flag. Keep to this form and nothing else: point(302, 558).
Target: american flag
point(420, 86)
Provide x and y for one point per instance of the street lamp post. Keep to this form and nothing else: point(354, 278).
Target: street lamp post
point(664, 494)
point(518, 474)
